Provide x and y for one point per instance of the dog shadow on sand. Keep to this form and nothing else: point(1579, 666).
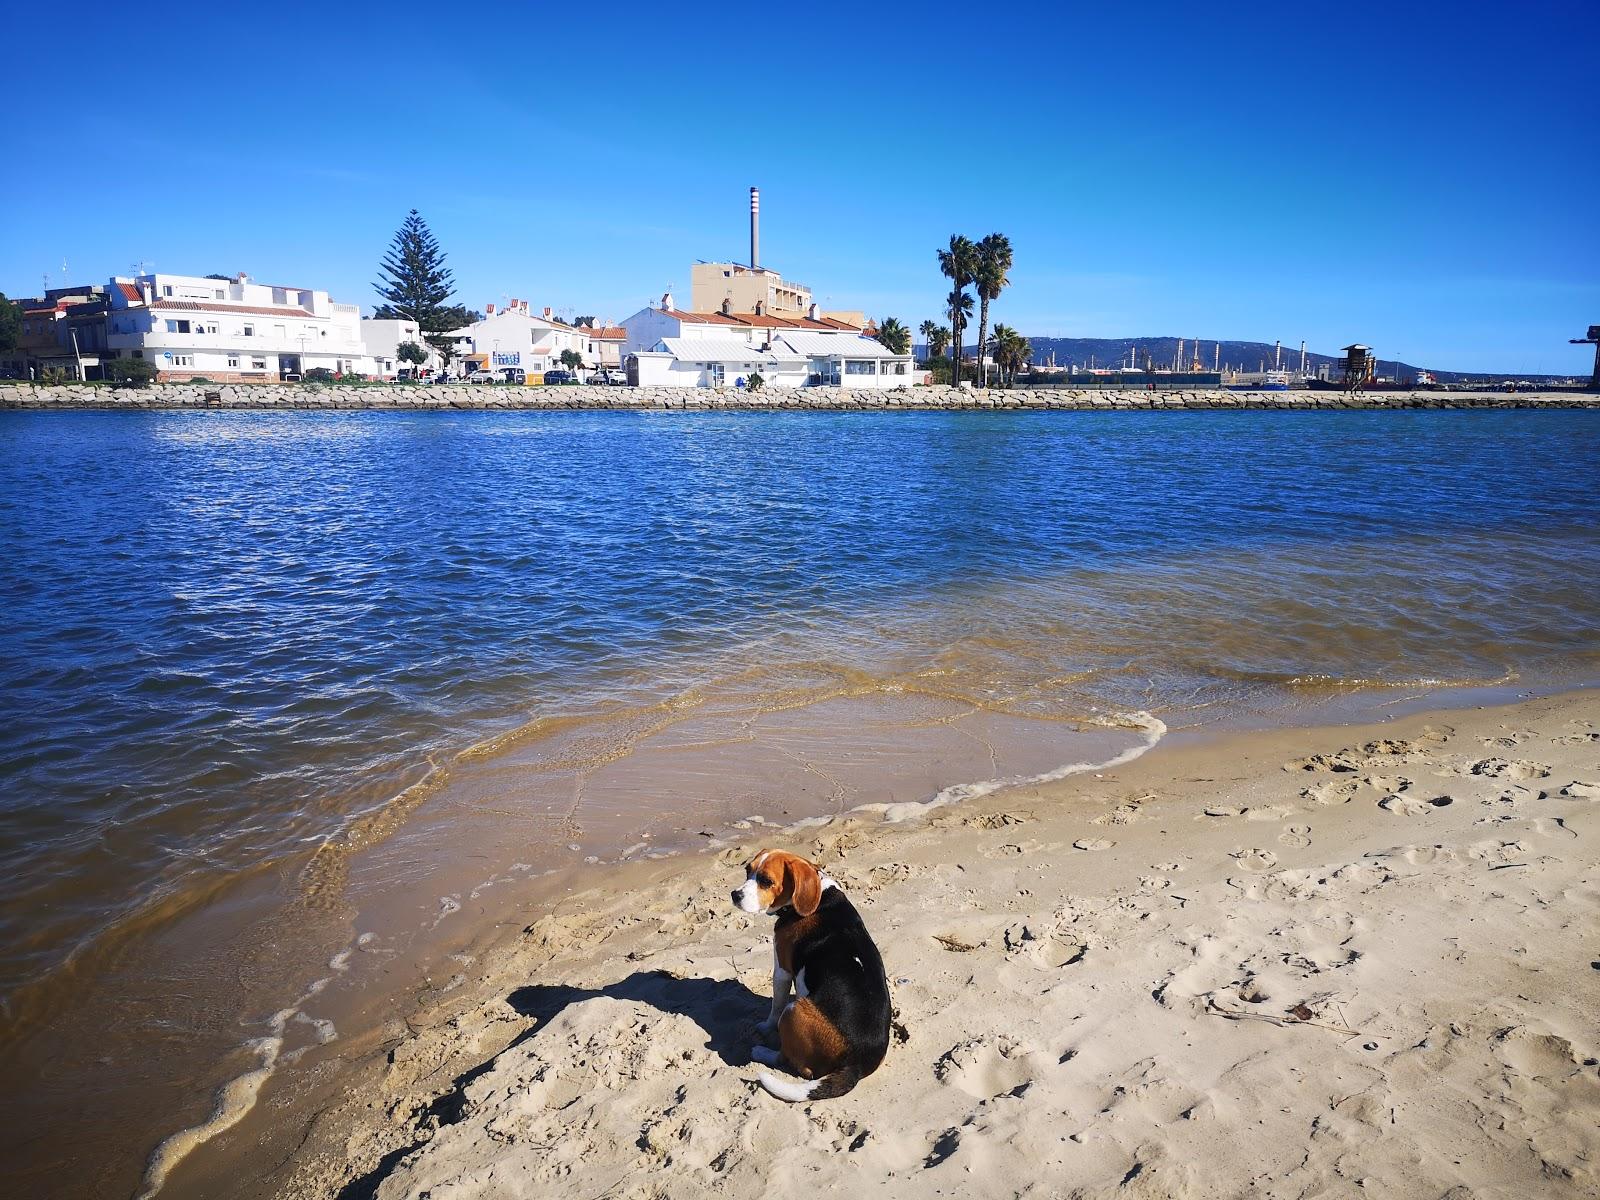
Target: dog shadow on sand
point(725, 1010)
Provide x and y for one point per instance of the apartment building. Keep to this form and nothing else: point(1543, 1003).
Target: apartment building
point(231, 329)
point(62, 331)
point(383, 338)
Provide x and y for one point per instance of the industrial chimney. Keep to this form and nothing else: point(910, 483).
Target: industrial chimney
point(755, 228)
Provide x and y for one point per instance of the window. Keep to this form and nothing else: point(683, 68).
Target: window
point(211, 327)
point(177, 327)
point(899, 369)
point(183, 360)
point(233, 360)
point(716, 374)
point(167, 290)
point(219, 293)
point(258, 364)
point(249, 331)
point(855, 367)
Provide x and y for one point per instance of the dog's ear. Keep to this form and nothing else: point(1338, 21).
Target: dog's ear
point(805, 884)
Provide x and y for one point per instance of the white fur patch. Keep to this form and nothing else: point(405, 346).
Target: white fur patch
point(750, 897)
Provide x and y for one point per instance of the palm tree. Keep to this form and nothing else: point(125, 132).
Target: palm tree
point(894, 335)
point(927, 329)
point(1010, 351)
point(958, 307)
point(990, 273)
point(938, 341)
point(958, 263)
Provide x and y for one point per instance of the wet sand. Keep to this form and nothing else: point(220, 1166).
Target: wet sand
point(1315, 961)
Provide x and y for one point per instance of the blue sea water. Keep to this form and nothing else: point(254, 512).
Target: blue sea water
point(229, 637)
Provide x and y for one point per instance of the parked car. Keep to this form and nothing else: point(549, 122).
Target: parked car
point(513, 375)
point(558, 376)
point(443, 377)
point(481, 376)
point(610, 377)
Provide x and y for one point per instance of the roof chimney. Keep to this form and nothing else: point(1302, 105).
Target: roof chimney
point(727, 306)
point(546, 312)
point(666, 301)
point(488, 310)
point(811, 311)
point(755, 228)
point(761, 308)
point(243, 278)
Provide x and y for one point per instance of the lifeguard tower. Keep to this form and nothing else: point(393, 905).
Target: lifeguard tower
point(1358, 368)
point(1594, 339)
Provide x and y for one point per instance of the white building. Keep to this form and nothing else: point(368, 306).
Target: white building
point(666, 346)
point(516, 337)
point(232, 330)
point(383, 338)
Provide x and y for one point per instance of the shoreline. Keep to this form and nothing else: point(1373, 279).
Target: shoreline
point(377, 1112)
point(583, 397)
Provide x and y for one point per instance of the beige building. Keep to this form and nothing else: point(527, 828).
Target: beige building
point(746, 289)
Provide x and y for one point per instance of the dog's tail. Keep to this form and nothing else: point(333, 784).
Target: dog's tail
point(826, 1088)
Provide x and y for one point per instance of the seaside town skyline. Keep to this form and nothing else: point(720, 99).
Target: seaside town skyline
point(1396, 207)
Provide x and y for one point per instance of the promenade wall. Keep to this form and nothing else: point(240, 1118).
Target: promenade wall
point(421, 398)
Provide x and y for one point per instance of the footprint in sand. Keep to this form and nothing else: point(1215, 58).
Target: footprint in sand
point(1255, 859)
point(1330, 792)
point(986, 1070)
point(1427, 856)
point(1578, 790)
point(1553, 827)
point(1224, 810)
point(1414, 806)
point(1093, 844)
point(1576, 739)
point(1500, 768)
point(1406, 806)
point(1298, 836)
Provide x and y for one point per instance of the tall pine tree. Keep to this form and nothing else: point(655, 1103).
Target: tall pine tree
point(414, 281)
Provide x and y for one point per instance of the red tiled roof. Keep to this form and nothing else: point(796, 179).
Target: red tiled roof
point(697, 318)
point(610, 333)
point(131, 292)
point(759, 321)
point(213, 306)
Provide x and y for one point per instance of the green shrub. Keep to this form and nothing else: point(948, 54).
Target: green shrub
point(317, 375)
point(198, 379)
point(134, 371)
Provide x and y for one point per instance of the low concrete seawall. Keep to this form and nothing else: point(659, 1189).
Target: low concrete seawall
point(417, 398)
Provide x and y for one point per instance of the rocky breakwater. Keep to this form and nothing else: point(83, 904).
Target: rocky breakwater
point(422, 398)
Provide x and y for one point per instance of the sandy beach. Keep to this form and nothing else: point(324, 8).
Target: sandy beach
point(1331, 962)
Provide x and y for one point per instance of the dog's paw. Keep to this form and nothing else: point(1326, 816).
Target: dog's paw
point(767, 1028)
point(765, 1055)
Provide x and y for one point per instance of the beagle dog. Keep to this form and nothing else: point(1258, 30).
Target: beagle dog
point(836, 1030)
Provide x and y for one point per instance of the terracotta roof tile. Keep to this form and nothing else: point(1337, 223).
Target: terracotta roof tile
point(130, 291)
point(214, 306)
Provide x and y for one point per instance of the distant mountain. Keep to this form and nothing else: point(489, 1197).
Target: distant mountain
point(1239, 356)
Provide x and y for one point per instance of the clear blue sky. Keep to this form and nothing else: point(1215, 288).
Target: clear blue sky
point(1422, 177)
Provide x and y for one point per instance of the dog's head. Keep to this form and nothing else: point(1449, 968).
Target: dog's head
point(776, 879)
